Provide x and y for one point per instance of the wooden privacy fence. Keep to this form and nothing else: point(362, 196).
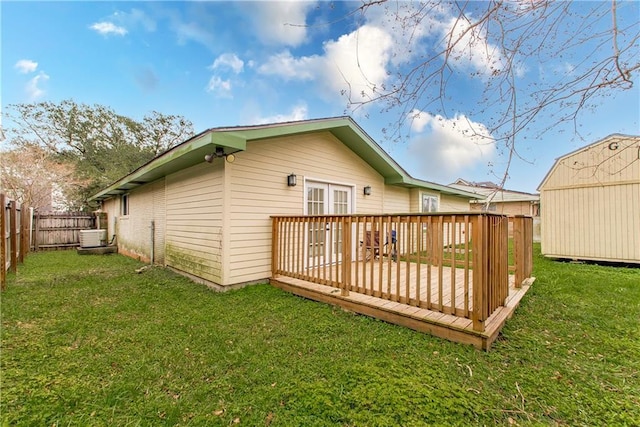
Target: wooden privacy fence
point(61, 230)
point(455, 264)
point(14, 233)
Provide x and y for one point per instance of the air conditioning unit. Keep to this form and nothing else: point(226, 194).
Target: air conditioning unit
point(93, 238)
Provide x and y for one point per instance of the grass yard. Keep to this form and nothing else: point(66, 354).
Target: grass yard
point(87, 341)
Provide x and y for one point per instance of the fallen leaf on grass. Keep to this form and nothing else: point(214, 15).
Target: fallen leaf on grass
point(269, 418)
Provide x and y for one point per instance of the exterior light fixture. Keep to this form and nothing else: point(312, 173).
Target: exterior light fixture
point(367, 190)
point(292, 180)
point(218, 153)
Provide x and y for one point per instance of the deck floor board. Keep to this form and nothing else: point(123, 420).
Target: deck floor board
point(382, 299)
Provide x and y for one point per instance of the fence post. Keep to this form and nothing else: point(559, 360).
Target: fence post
point(13, 228)
point(36, 234)
point(24, 234)
point(3, 242)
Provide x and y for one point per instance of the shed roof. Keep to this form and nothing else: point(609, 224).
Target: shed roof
point(613, 136)
point(233, 139)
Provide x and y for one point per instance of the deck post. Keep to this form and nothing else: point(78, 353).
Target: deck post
point(528, 246)
point(346, 255)
point(523, 248)
point(518, 246)
point(478, 243)
point(275, 237)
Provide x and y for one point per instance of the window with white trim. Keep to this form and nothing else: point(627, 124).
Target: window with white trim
point(429, 203)
point(491, 207)
point(124, 205)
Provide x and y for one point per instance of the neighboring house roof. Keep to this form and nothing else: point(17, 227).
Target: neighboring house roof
point(613, 136)
point(490, 192)
point(234, 139)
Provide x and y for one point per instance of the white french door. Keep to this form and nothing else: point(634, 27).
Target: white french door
point(324, 239)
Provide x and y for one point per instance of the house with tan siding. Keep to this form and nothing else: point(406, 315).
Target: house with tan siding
point(204, 207)
point(590, 202)
point(493, 198)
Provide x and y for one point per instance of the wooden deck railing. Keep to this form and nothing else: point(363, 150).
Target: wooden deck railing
point(455, 263)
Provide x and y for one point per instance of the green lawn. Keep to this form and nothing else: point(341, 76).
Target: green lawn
point(87, 341)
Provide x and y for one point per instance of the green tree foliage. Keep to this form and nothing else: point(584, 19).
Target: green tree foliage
point(100, 144)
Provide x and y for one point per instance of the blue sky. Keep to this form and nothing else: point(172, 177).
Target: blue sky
point(240, 63)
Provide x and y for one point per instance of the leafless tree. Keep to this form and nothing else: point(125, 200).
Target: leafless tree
point(598, 42)
point(30, 176)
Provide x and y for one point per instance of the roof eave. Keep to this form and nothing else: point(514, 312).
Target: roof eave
point(409, 182)
point(192, 152)
point(189, 153)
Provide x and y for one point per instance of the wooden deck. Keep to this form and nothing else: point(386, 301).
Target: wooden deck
point(444, 274)
point(399, 304)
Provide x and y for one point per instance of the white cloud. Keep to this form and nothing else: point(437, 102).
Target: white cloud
point(34, 91)
point(26, 66)
point(192, 31)
point(133, 18)
point(566, 69)
point(444, 147)
point(365, 61)
point(284, 65)
point(221, 88)
point(228, 60)
point(358, 61)
point(280, 22)
point(298, 112)
point(470, 47)
point(352, 64)
point(105, 28)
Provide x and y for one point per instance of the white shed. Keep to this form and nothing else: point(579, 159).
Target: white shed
point(590, 202)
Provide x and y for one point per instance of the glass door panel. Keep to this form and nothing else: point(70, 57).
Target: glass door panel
point(324, 238)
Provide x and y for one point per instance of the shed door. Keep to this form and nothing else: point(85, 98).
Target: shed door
point(326, 199)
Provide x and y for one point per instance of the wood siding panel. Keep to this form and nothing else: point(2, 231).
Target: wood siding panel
point(590, 202)
point(396, 199)
point(146, 204)
point(194, 221)
point(599, 223)
point(258, 185)
point(453, 204)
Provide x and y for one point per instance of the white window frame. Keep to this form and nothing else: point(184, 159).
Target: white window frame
point(125, 204)
point(430, 196)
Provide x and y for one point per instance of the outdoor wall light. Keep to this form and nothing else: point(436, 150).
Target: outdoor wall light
point(367, 190)
point(292, 180)
point(218, 153)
